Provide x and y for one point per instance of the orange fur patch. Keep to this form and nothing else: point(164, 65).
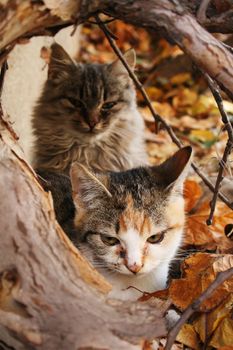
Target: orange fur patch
point(132, 218)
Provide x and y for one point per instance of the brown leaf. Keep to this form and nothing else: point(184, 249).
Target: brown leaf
point(209, 237)
point(207, 324)
point(192, 193)
point(198, 274)
point(154, 93)
point(189, 337)
point(223, 335)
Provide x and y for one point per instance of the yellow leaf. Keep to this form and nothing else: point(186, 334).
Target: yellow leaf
point(184, 98)
point(203, 135)
point(213, 319)
point(180, 78)
point(223, 336)
point(205, 105)
point(154, 93)
point(189, 337)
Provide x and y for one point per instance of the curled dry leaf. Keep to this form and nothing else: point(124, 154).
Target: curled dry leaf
point(199, 272)
point(218, 323)
point(210, 237)
point(223, 335)
point(189, 337)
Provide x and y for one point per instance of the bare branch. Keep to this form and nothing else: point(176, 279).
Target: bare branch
point(201, 13)
point(225, 119)
point(157, 117)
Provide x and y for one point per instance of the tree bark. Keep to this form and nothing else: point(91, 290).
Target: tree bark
point(206, 51)
point(50, 296)
point(169, 16)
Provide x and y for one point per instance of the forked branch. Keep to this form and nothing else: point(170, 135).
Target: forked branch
point(156, 116)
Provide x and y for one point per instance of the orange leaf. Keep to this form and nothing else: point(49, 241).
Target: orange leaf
point(213, 236)
point(198, 274)
point(192, 193)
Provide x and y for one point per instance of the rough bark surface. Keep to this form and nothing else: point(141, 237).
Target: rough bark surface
point(50, 297)
point(206, 51)
point(25, 17)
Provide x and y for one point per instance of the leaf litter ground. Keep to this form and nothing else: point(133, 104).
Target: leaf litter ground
point(180, 95)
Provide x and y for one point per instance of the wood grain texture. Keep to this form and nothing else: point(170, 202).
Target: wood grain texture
point(50, 297)
point(171, 17)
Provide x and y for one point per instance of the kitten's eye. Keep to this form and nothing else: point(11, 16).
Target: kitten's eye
point(108, 105)
point(108, 240)
point(156, 238)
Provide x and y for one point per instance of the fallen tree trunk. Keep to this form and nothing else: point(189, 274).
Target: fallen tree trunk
point(206, 51)
point(50, 297)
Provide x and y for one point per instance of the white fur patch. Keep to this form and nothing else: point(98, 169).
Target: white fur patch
point(133, 244)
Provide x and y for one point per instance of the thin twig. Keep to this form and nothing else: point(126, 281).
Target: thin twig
point(211, 186)
point(228, 127)
point(104, 22)
point(221, 277)
point(201, 13)
point(158, 119)
point(216, 93)
point(117, 51)
point(219, 179)
point(2, 76)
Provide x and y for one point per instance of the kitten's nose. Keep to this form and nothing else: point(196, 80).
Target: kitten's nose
point(135, 268)
point(92, 124)
point(93, 121)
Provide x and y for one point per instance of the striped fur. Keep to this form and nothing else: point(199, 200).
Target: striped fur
point(144, 203)
point(71, 122)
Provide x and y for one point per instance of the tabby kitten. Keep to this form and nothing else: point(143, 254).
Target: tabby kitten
point(130, 224)
point(88, 113)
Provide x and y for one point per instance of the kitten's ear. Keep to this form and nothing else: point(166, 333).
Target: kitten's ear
point(88, 187)
point(117, 67)
point(60, 63)
point(174, 169)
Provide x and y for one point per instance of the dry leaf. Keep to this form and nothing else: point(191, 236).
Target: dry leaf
point(180, 78)
point(223, 336)
point(154, 93)
point(203, 135)
point(207, 324)
point(192, 193)
point(209, 237)
point(185, 98)
point(205, 105)
point(198, 274)
point(189, 337)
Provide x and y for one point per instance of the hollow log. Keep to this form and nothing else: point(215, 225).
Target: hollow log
point(50, 296)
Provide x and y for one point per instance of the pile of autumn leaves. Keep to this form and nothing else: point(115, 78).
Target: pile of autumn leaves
point(213, 325)
point(186, 104)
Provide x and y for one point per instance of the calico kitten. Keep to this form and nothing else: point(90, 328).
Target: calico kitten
point(88, 113)
point(130, 224)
